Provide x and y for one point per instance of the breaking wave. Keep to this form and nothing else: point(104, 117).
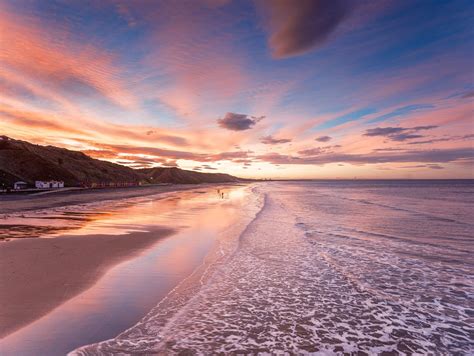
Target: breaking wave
point(310, 271)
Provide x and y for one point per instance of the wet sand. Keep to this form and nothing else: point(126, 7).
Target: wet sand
point(44, 273)
point(10, 203)
point(80, 273)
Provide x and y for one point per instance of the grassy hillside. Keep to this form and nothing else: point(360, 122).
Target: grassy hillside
point(21, 160)
point(180, 176)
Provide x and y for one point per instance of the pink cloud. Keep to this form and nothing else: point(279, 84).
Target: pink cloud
point(35, 54)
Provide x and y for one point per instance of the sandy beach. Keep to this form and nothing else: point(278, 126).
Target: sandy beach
point(43, 273)
point(10, 203)
point(58, 251)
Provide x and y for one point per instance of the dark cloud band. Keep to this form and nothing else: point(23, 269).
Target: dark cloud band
point(399, 133)
point(298, 26)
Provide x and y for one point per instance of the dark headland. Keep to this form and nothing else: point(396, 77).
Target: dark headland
point(27, 162)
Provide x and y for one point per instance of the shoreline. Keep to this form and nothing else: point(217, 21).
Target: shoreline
point(188, 288)
point(344, 289)
point(19, 203)
point(46, 272)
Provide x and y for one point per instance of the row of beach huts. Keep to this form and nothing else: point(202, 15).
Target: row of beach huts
point(39, 184)
point(57, 184)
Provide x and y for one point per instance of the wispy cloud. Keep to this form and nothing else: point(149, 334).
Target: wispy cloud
point(426, 156)
point(468, 95)
point(402, 111)
point(109, 150)
point(430, 166)
point(318, 150)
point(270, 140)
point(46, 56)
point(36, 120)
point(443, 139)
point(149, 91)
point(399, 133)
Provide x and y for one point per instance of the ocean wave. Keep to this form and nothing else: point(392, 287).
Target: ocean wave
point(294, 280)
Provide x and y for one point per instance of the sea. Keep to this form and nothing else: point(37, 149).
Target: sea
point(326, 267)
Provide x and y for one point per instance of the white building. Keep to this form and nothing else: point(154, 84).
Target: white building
point(20, 185)
point(49, 184)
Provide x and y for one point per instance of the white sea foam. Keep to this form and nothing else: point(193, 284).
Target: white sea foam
point(322, 270)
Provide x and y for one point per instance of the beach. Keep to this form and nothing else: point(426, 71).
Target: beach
point(56, 261)
point(10, 203)
point(39, 271)
point(44, 273)
point(280, 267)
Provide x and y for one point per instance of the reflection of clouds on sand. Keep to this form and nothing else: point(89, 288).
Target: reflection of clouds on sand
point(111, 217)
point(9, 231)
point(130, 289)
point(47, 223)
point(321, 270)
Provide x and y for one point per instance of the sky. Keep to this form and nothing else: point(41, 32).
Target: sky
point(259, 89)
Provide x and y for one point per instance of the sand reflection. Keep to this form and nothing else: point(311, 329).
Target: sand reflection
point(129, 290)
point(116, 217)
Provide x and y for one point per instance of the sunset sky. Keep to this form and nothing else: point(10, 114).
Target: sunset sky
point(275, 89)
